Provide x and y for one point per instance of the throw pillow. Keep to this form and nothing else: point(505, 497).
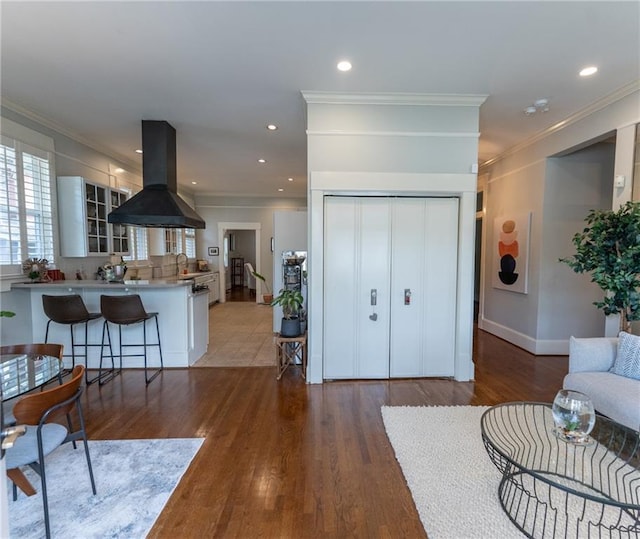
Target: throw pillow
point(627, 361)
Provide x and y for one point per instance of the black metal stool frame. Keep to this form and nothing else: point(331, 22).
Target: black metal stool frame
point(144, 345)
point(88, 317)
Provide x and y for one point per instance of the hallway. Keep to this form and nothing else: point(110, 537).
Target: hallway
point(240, 335)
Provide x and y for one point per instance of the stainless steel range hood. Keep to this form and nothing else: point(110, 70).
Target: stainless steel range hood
point(158, 204)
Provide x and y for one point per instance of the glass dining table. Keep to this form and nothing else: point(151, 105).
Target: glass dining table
point(19, 374)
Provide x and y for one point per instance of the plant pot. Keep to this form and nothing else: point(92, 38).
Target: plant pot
point(267, 298)
point(290, 327)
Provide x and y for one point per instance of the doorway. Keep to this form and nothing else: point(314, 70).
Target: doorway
point(241, 245)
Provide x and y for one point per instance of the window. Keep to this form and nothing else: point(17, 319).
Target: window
point(139, 247)
point(190, 242)
point(26, 217)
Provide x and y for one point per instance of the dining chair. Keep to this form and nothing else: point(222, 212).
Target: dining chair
point(36, 349)
point(43, 436)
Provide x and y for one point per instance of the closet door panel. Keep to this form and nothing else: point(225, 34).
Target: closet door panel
point(441, 275)
point(407, 279)
point(372, 335)
point(340, 258)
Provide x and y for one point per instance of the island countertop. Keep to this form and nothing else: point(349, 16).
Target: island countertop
point(127, 284)
point(182, 315)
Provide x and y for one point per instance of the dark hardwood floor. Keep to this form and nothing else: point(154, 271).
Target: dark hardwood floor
point(286, 459)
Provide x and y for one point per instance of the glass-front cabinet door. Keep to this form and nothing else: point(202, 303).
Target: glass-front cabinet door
point(83, 207)
point(120, 233)
point(96, 200)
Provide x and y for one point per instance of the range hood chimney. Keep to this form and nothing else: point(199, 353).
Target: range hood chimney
point(158, 204)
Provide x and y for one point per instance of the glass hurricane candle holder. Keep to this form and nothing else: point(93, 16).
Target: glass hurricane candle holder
point(574, 416)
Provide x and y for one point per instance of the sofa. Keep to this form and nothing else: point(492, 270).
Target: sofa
point(592, 371)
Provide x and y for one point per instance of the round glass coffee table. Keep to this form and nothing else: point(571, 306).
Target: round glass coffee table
point(553, 488)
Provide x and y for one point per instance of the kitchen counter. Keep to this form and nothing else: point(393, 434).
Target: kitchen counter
point(182, 314)
point(153, 283)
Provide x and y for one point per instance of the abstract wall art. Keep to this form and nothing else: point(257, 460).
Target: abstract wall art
point(511, 252)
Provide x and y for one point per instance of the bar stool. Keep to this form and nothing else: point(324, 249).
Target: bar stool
point(126, 311)
point(70, 310)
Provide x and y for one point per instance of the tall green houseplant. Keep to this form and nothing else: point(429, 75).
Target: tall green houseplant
point(609, 249)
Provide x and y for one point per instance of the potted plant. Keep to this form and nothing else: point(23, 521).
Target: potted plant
point(268, 297)
point(609, 249)
point(291, 302)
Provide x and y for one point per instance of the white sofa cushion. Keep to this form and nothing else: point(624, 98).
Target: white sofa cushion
point(592, 354)
point(627, 361)
point(615, 396)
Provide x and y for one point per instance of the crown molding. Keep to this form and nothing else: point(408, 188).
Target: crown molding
point(333, 98)
point(439, 134)
point(594, 107)
point(53, 125)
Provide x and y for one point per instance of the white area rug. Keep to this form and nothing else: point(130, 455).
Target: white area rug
point(453, 482)
point(134, 479)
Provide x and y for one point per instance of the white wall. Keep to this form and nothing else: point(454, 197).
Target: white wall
point(396, 145)
point(555, 191)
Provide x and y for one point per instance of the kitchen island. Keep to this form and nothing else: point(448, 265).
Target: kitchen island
point(183, 316)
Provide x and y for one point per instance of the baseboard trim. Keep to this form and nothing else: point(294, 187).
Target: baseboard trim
point(534, 346)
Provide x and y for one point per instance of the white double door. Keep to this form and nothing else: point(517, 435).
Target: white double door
point(390, 272)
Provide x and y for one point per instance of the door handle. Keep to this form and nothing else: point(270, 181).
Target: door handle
point(407, 296)
point(374, 296)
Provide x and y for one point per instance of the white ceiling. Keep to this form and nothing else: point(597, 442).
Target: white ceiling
point(219, 72)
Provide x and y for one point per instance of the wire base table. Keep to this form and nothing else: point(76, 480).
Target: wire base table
point(552, 488)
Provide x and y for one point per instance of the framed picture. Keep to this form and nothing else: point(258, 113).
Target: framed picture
point(511, 252)
point(213, 251)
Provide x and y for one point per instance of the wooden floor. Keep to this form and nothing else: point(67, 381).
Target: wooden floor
point(285, 459)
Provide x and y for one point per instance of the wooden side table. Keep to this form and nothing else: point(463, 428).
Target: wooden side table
point(290, 349)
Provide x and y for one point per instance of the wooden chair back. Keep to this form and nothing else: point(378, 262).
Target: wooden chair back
point(40, 349)
point(30, 409)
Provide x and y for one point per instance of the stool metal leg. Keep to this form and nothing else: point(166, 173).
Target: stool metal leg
point(147, 379)
point(103, 378)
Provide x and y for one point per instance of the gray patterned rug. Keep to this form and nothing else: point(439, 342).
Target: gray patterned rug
point(134, 479)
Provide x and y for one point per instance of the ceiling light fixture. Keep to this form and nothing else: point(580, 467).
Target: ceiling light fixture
point(119, 170)
point(194, 183)
point(280, 190)
point(539, 105)
point(262, 160)
point(272, 127)
point(588, 71)
point(138, 151)
point(344, 65)
point(290, 179)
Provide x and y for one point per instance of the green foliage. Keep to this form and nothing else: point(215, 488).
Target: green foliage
point(609, 249)
point(7, 314)
point(290, 300)
point(262, 278)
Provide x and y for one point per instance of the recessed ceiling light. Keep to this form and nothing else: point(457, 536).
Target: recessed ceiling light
point(290, 179)
point(262, 160)
point(194, 183)
point(272, 127)
point(587, 71)
point(138, 151)
point(344, 65)
point(280, 190)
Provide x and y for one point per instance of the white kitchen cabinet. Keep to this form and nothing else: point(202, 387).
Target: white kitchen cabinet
point(390, 273)
point(83, 208)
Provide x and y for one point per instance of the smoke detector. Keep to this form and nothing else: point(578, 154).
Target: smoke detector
point(539, 105)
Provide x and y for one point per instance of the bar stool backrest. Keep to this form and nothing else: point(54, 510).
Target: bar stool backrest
point(123, 309)
point(65, 309)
